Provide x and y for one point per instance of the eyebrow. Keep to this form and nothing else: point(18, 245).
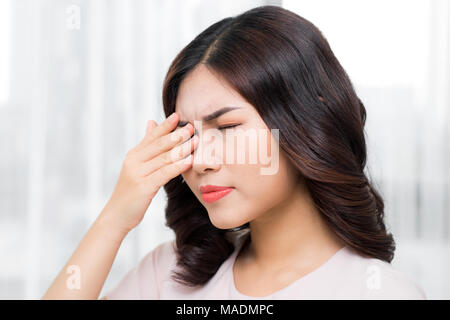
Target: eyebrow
point(211, 116)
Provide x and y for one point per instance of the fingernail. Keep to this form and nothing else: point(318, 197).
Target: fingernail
point(172, 116)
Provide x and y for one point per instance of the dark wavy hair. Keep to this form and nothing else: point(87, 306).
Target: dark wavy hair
point(282, 65)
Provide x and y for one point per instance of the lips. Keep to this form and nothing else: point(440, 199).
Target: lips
point(213, 193)
point(210, 188)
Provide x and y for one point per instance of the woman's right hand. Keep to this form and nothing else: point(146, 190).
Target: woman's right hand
point(158, 158)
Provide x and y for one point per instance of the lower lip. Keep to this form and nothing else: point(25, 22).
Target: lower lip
point(214, 196)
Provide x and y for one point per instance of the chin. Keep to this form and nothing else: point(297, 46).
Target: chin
point(221, 223)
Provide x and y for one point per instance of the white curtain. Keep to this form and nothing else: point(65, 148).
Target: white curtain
point(79, 79)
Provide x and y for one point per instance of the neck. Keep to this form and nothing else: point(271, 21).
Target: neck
point(292, 232)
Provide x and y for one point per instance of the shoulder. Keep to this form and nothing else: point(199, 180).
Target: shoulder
point(378, 279)
point(393, 284)
point(161, 257)
point(145, 279)
point(157, 262)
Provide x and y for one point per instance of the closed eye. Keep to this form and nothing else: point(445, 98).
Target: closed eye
point(227, 127)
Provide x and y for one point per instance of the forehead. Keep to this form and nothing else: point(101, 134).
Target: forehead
point(203, 92)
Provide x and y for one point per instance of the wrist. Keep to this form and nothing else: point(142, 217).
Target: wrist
point(107, 222)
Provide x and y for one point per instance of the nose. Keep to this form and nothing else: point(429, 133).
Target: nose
point(208, 153)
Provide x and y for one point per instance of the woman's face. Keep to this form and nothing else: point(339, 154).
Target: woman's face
point(255, 192)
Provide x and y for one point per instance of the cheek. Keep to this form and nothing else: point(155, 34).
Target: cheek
point(257, 148)
point(249, 175)
point(267, 189)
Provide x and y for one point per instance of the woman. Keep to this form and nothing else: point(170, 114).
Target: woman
point(310, 227)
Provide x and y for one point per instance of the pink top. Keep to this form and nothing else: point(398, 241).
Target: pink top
point(346, 275)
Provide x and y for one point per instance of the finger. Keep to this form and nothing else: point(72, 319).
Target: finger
point(171, 156)
point(168, 125)
point(150, 125)
point(160, 177)
point(166, 142)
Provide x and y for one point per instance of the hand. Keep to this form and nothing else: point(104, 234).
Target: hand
point(161, 155)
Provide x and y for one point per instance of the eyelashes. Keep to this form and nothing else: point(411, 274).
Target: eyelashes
point(227, 127)
point(221, 128)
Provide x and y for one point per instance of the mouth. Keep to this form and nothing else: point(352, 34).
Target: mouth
point(214, 193)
